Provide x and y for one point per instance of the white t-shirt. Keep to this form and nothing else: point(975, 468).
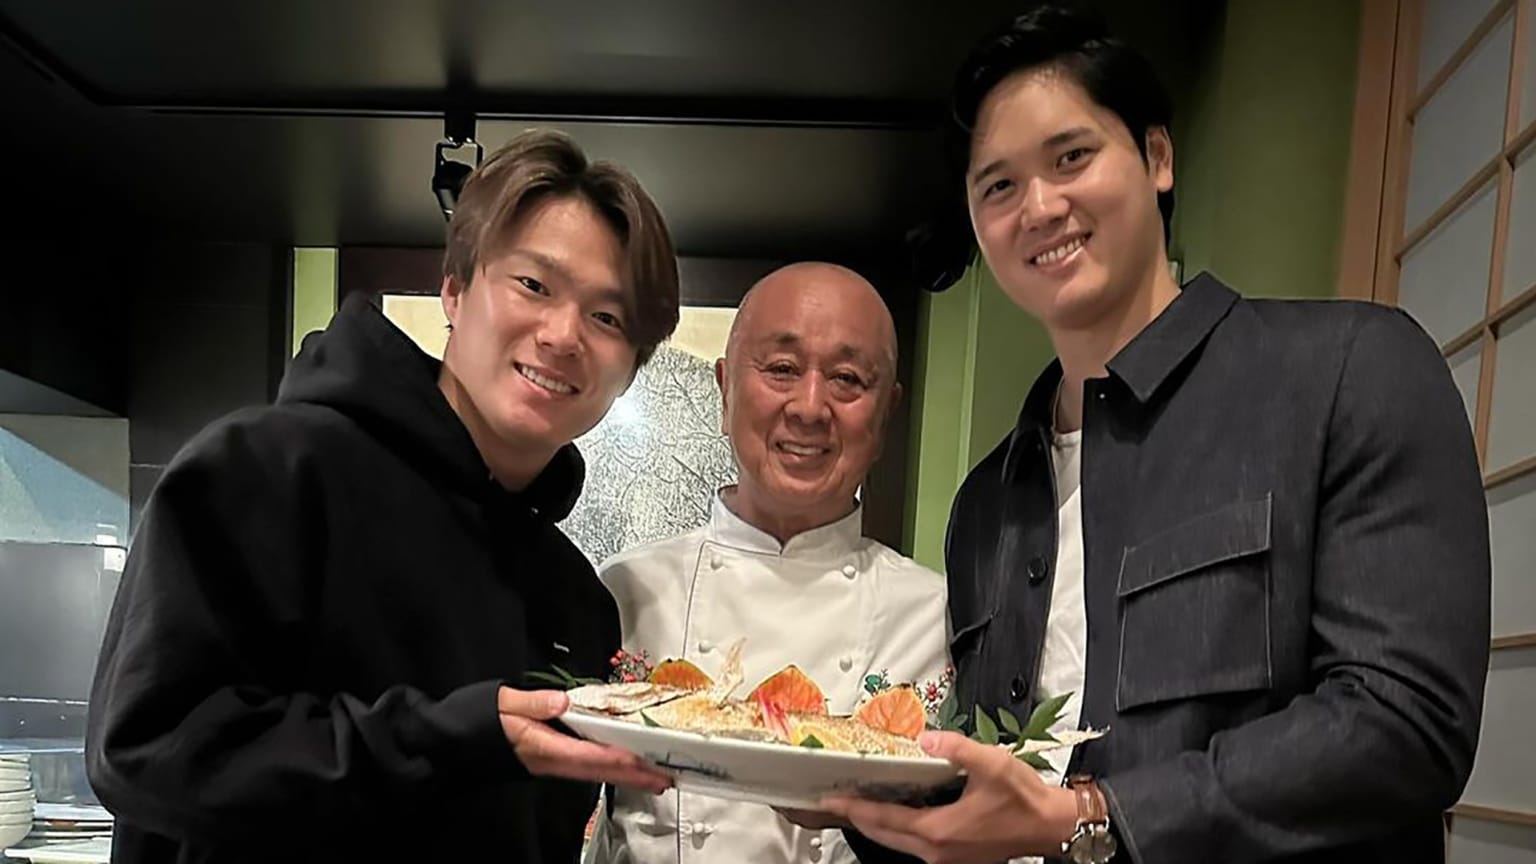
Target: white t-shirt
point(1062, 663)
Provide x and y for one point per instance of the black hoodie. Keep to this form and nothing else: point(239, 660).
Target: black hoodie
point(303, 657)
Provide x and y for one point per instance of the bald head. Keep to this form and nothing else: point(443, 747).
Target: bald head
point(808, 382)
point(839, 289)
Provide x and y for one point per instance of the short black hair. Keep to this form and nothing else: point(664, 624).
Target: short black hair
point(1074, 40)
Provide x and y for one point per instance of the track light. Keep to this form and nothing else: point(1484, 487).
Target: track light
point(448, 175)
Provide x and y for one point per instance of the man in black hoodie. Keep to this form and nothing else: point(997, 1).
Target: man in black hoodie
point(319, 647)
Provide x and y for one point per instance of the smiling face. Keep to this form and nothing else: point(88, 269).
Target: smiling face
point(538, 350)
point(807, 382)
point(1063, 204)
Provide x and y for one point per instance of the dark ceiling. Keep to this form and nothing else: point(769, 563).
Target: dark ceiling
point(762, 129)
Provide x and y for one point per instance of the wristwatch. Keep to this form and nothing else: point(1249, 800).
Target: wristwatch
point(1091, 843)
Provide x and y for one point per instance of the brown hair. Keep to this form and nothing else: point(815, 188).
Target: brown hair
point(541, 163)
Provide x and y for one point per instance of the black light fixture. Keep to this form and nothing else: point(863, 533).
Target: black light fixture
point(941, 248)
point(448, 175)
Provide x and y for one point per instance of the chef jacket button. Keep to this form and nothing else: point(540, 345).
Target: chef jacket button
point(1017, 691)
point(715, 562)
point(706, 646)
point(846, 663)
point(1037, 569)
point(815, 842)
point(850, 571)
point(700, 829)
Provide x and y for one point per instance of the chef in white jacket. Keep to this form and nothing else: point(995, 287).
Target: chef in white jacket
point(808, 383)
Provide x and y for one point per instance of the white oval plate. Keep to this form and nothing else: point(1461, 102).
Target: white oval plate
point(763, 773)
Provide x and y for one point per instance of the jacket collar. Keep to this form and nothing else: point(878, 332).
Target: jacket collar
point(1144, 365)
point(833, 540)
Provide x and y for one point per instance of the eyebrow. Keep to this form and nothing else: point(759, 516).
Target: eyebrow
point(1066, 136)
point(845, 351)
point(607, 293)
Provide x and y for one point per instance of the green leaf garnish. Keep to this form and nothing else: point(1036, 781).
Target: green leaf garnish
point(812, 742)
point(1010, 722)
point(1044, 715)
point(1034, 760)
point(986, 730)
point(561, 678)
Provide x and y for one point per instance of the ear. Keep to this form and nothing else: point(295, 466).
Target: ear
point(724, 383)
point(1160, 157)
point(452, 294)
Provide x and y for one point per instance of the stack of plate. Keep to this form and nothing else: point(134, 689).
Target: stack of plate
point(69, 823)
point(16, 798)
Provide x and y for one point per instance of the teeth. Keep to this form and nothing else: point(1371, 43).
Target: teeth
point(547, 383)
point(798, 450)
point(1061, 251)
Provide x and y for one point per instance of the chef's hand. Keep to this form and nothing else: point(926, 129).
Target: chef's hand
point(545, 752)
point(1006, 811)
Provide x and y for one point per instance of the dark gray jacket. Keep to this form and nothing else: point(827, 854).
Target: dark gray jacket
point(1287, 581)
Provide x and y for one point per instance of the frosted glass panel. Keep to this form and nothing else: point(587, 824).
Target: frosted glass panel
point(1465, 366)
point(1520, 255)
point(1512, 530)
point(1512, 430)
point(1528, 87)
point(1460, 129)
point(654, 463)
point(421, 317)
point(1447, 24)
point(1474, 841)
point(1444, 280)
point(1506, 761)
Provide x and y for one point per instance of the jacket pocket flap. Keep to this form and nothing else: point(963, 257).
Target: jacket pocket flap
point(1232, 531)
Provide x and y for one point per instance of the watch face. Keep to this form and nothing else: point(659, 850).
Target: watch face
point(1094, 845)
point(1103, 845)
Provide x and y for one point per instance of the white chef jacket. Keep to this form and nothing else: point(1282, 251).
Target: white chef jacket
point(840, 606)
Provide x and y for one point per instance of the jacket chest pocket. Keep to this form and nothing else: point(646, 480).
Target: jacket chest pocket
point(1194, 608)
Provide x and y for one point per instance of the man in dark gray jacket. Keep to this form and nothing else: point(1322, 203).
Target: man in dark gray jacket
point(1248, 538)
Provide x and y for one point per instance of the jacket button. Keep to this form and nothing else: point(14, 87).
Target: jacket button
point(1036, 569)
point(706, 646)
point(715, 563)
point(845, 663)
point(1016, 690)
point(850, 571)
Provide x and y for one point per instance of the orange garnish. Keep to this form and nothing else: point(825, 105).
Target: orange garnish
point(791, 690)
point(898, 711)
point(680, 673)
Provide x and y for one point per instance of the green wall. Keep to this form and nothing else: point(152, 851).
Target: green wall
point(977, 355)
point(314, 291)
point(1261, 163)
point(1261, 150)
